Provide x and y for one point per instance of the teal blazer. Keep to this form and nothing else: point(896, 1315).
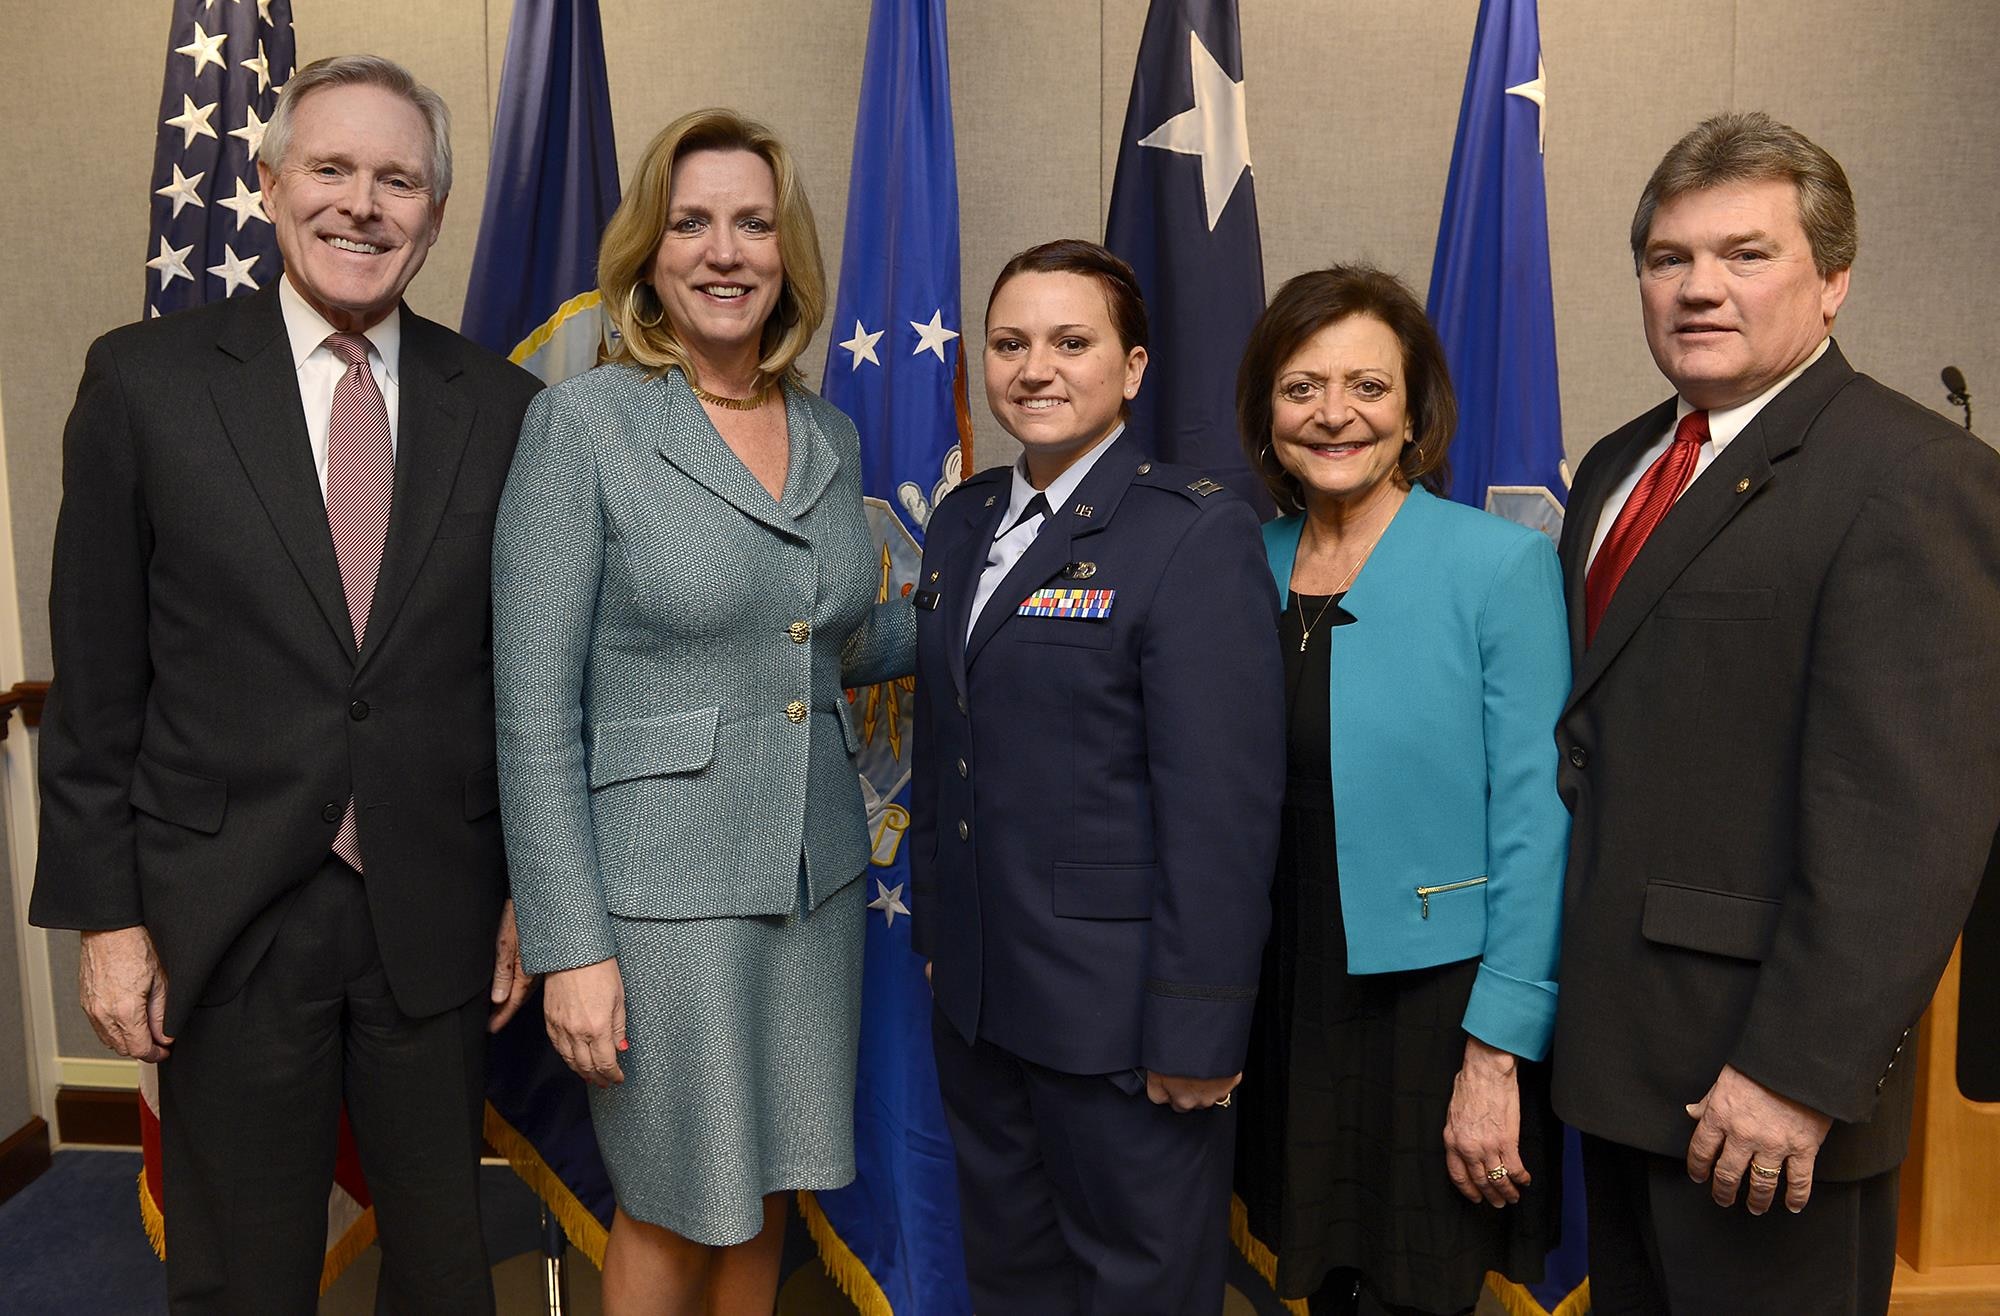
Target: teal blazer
point(1450, 667)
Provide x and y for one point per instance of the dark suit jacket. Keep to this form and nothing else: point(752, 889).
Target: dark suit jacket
point(1096, 801)
point(1782, 759)
point(210, 715)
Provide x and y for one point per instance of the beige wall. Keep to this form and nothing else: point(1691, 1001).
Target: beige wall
point(1352, 106)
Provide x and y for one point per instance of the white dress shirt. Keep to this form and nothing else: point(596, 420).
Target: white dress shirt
point(1723, 427)
point(319, 369)
point(1009, 544)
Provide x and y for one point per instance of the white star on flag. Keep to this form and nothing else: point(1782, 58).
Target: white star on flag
point(259, 66)
point(193, 121)
point(247, 204)
point(252, 131)
point(264, 11)
point(889, 899)
point(204, 50)
point(863, 345)
point(172, 262)
point(184, 190)
point(1216, 129)
point(233, 272)
point(932, 337)
point(1538, 92)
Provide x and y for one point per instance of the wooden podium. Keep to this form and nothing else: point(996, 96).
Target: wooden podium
point(1948, 1231)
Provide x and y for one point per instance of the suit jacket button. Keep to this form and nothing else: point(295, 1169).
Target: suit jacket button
point(961, 768)
point(331, 813)
point(1577, 757)
point(964, 830)
point(800, 631)
point(796, 710)
point(961, 703)
point(358, 710)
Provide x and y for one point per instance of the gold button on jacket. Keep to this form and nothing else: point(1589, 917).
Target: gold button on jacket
point(796, 710)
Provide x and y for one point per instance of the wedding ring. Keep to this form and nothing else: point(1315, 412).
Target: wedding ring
point(1763, 1171)
point(1227, 1097)
point(1497, 1174)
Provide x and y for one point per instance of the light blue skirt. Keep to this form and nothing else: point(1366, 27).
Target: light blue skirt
point(739, 1080)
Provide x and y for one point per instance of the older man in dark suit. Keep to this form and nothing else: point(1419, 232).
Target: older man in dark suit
point(1780, 752)
point(268, 790)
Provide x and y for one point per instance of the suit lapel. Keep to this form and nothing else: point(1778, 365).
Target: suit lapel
point(811, 462)
point(1586, 506)
point(433, 425)
point(698, 452)
point(1710, 503)
point(963, 563)
point(1089, 510)
point(266, 424)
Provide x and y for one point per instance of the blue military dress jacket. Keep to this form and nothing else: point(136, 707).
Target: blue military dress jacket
point(1098, 781)
point(670, 650)
point(1450, 666)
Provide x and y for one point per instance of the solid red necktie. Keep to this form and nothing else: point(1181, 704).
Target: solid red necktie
point(1651, 499)
point(360, 476)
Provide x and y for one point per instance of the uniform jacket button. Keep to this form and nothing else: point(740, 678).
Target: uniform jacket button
point(962, 770)
point(964, 830)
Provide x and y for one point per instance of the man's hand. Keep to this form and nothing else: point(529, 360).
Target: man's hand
point(1186, 1094)
point(1482, 1127)
point(511, 982)
point(1743, 1128)
point(123, 988)
point(585, 1012)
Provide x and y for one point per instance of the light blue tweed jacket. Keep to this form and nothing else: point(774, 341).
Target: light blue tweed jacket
point(672, 738)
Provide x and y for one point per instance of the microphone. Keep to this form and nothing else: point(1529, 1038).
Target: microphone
point(1955, 391)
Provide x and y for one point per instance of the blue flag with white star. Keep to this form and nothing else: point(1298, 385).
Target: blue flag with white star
point(1184, 214)
point(891, 1238)
point(1490, 297)
point(209, 237)
point(551, 186)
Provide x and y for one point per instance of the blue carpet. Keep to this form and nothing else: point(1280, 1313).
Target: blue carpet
point(75, 1232)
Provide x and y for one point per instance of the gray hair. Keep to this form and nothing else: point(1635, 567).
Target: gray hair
point(1750, 147)
point(363, 71)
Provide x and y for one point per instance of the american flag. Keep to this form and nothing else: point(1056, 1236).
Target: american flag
point(210, 238)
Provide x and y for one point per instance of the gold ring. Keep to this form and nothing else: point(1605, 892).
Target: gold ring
point(1763, 1171)
point(1497, 1174)
point(1227, 1097)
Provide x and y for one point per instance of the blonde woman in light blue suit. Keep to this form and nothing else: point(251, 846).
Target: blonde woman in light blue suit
point(684, 582)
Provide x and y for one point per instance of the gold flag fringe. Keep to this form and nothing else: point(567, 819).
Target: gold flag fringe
point(1261, 1258)
point(359, 1236)
point(849, 1275)
point(582, 1228)
point(1519, 1302)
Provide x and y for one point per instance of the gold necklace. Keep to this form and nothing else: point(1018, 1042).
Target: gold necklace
point(751, 403)
point(1305, 635)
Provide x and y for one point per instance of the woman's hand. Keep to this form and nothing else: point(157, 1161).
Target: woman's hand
point(1186, 1094)
point(1482, 1129)
point(585, 1012)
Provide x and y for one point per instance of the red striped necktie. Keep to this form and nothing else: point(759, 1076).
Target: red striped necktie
point(360, 476)
point(1651, 499)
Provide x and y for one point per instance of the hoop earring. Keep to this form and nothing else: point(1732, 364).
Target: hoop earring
point(632, 300)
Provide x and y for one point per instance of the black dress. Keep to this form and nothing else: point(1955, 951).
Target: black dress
point(1340, 1149)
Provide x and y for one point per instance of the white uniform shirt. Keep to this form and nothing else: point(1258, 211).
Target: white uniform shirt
point(319, 369)
point(1009, 544)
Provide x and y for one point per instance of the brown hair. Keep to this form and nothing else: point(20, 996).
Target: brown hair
point(1113, 276)
point(1750, 147)
point(1303, 307)
point(625, 255)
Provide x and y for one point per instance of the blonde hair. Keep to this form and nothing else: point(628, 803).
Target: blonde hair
point(625, 255)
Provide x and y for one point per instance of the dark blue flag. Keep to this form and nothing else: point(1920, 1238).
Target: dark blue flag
point(1490, 294)
point(210, 237)
point(550, 189)
point(551, 186)
point(1184, 213)
point(891, 1238)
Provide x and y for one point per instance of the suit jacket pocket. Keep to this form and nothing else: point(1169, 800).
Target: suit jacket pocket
point(1718, 922)
point(1105, 890)
point(652, 746)
point(482, 791)
point(1076, 632)
point(181, 798)
point(1717, 604)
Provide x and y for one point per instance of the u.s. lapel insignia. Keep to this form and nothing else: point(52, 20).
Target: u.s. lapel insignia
point(934, 576)
point(927, 599)
point(1079, 570)
point(1205, 487)
point(1085, 510)
point(991, 499)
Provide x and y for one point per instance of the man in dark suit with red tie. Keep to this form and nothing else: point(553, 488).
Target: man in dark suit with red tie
point(267, 763)
point(1780, 752)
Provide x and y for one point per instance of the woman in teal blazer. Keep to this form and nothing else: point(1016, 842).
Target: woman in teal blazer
point(1409, 983)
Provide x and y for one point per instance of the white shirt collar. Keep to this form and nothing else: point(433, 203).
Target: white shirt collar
point(1059, 488)
point(308, 330)
point(1725, 425)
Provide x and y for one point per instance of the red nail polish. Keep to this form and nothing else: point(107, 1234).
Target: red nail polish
point(624, 1043)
